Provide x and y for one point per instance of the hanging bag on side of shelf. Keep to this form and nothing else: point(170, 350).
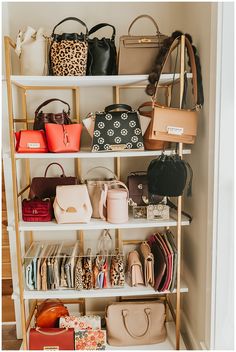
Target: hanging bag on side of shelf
point(167, 176)
point(137, 53)
point(32, 49)
point(63, 138)
point(72, 204)
point(68, 51)
point(28, 141)
point(45, 187)
point(135, 323)
point(150, 144)
point(117, 130)
point(177, 124)
point(51, 339)
point(97, 192)
point(41, 118)
point(102, 53)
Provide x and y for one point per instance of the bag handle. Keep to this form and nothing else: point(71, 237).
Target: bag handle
point(101, 25)
point(125, 313)
point(118, 106)
point(144, 16)
point(70, 19)
point(193, 68)
point(51, 333)
point(104, 242)
point(119, 183)
point(63, 172)
point(98, 167)
point(49, 101)
point(145, 104)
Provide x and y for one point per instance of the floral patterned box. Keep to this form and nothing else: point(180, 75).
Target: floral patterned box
point(86, 322)
point(90, 340)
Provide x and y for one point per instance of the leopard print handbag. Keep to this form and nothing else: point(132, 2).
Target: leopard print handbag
point(68, 52)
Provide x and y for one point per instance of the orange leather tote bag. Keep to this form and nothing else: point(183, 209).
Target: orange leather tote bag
point(49, 313)
point(176, 124)
point(63, 138)
point(31, 142)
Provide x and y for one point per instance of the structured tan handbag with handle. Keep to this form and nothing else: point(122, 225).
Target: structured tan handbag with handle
point(137, 53)
point(97, 192)
point(135, 323)
point(176, 124)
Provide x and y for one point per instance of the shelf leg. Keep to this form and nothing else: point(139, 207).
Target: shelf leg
point(14, 184)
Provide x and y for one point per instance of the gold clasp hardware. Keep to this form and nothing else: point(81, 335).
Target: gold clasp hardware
point(144, 40)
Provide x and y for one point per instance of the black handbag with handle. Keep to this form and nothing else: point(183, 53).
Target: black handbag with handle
point(167, 176)
point(62, 118)
point(117, 130)
point(102, 53)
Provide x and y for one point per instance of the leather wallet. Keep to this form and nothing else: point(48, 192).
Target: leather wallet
point(148, 263)
point(167, 277)
point(159, 262)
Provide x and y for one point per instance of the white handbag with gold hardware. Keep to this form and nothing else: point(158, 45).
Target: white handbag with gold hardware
point(31, 47)
point(72, 204)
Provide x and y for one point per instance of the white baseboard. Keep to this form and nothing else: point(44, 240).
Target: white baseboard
point(188, 335)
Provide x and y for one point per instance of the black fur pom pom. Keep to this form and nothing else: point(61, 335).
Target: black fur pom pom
point(189, 37)
point(150, 89)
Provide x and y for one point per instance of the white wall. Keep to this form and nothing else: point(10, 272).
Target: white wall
point(196, 19)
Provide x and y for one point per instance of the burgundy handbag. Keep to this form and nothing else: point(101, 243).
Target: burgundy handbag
point(45, 187)
point(41, 118)
point(36, 210)
point(51, 339)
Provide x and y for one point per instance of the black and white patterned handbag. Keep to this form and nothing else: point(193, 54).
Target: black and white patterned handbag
point(117, 130)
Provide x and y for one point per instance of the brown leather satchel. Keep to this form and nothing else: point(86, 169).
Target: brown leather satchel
point(45, 187)
point(49, 313)
point(176, 124)
point(137, 53)
point(62, 118)
point(150, 144)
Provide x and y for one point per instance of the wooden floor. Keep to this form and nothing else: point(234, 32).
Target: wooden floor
point(9, 340)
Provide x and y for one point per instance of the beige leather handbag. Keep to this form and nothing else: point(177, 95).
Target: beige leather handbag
point(97, 193)
point(32, 49)
point(72, 204)
point(137, 53)
point(175, 124)
point(135, 323)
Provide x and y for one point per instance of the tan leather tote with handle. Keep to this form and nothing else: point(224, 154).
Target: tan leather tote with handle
point(137, 53)
point(135, 323)
point(175, 124)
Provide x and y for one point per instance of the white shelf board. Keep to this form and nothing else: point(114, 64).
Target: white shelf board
point(126, 291)
point(85, 154)
point(168, 344)
point(97, 224)
point(89, 81)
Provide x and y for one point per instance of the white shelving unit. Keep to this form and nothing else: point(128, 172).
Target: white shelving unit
point(19, 226)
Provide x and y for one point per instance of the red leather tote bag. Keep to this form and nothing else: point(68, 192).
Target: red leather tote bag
point(31, 142)
point(63, 138)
